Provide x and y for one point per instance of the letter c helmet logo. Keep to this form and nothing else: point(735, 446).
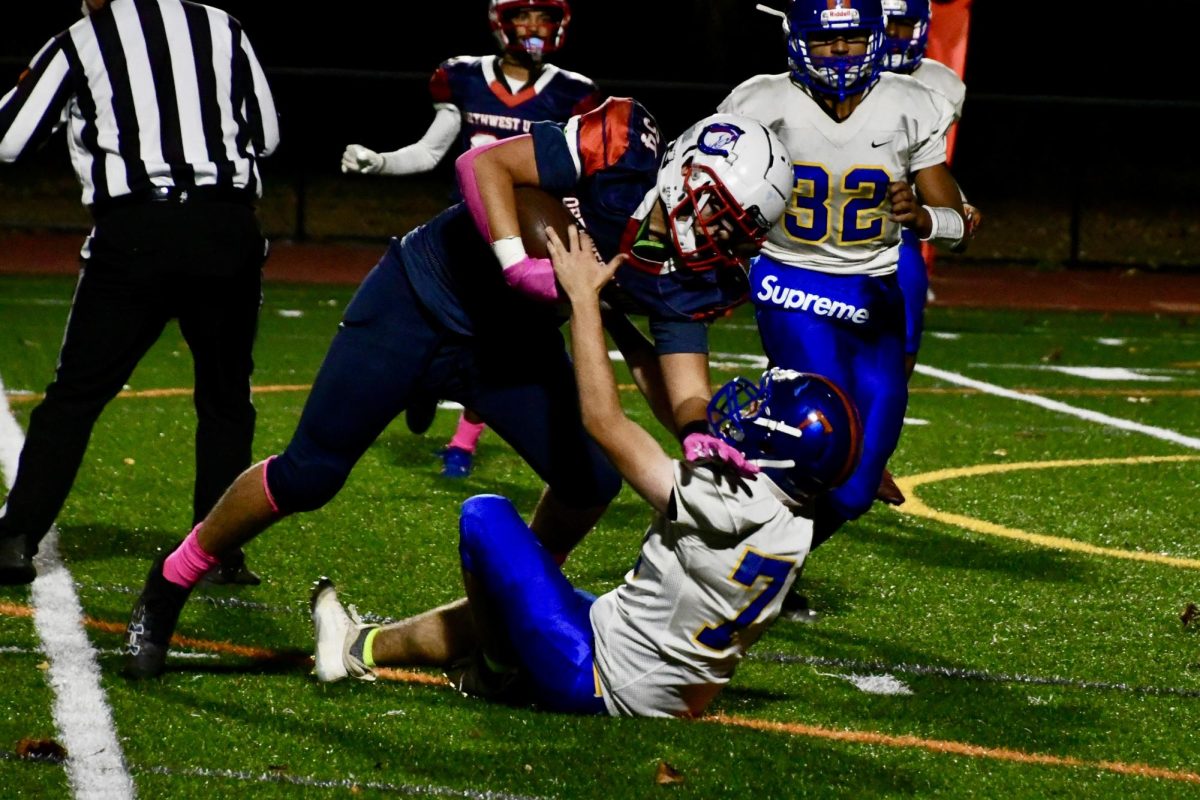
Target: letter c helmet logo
point(718, 138)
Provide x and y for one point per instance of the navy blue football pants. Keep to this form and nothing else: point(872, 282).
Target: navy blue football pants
point(849, 328)
point(389, 349)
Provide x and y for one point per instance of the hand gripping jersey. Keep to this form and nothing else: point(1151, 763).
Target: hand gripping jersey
point(607, 162)
point(837, 219)
point(710, 580)
point(475, 87)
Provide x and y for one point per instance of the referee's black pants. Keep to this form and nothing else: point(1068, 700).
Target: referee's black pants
point(197, 262)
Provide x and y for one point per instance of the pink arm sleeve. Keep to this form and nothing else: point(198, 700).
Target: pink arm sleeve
point(469, 186)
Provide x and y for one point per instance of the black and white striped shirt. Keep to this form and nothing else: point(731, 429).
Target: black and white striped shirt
point(155, 93)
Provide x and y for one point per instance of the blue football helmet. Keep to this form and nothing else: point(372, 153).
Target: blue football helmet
point(839, 76)
point(905, 54)
point(800, 429)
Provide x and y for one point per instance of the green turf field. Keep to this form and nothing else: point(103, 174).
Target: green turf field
point(960, 652)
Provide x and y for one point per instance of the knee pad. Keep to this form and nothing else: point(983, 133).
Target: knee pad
point(477, 524)
point(303, 485)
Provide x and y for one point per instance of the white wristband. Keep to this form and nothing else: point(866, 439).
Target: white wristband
point(509, 251)
point(946, 226)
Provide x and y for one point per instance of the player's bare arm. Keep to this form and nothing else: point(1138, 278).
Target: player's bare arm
point(637, 456)
point(643, 363)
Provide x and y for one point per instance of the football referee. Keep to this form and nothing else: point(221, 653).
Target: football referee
point(167, 113)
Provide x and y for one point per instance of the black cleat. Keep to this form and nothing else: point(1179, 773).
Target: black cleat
point(151, 625)
point(796, 608)
point(232, 571)
point(472, 677)
point(16, 562)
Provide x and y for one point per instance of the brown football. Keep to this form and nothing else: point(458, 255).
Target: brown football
point(537, 210)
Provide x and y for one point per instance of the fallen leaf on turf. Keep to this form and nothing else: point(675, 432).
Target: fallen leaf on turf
point(1002, 452)
point(41, 750)
point(667, 774)
point(1189, 614)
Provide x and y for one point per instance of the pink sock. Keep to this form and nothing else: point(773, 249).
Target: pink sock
point(189, 563)
point(467, 435)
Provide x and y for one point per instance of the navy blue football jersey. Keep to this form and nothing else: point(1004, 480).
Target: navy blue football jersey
point(605, 164)
point(490, 111)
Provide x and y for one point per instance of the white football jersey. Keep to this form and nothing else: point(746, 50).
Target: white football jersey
point(837, 220)
point(710, 579)
point(944, 81)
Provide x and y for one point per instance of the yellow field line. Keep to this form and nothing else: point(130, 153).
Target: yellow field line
point(941, 746)
point(916, 507)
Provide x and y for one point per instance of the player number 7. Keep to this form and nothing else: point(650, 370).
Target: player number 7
point(753, 565)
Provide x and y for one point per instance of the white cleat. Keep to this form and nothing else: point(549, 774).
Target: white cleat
point(336, 630)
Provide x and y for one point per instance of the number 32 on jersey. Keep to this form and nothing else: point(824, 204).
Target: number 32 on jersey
point(851, 210)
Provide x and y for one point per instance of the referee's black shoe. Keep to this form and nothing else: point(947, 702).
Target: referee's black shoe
point(16, 562)
point(151, 625)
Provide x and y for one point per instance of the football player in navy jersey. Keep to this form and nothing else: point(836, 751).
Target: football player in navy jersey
point(481, 99)
point(457, 308)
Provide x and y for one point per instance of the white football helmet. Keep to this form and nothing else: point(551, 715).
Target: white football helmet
point(724, 182)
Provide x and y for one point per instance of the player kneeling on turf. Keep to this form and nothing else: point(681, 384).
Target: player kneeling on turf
point(715, 564)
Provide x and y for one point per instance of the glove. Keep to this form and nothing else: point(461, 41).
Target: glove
point(706, 447)
point(533, 277)
point(361, 159)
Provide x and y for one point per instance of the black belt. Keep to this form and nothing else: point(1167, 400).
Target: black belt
point(175, 194)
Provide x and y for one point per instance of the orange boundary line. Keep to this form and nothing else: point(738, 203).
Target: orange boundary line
point(940, 746)
point(952, 748)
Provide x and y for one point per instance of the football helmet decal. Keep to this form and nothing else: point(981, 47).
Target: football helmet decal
point(799, 428)
point(837, 75)
point(500, 13)
point(724, 182)
point(905, 54)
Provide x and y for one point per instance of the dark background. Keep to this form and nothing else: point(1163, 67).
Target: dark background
point(1083, 123)
point(1019, 49)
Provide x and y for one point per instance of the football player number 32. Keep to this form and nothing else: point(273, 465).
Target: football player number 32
point(753, 566)
point(858, 208)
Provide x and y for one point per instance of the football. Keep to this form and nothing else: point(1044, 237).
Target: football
point(537, 210)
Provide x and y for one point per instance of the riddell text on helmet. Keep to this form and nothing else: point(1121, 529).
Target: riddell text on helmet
point(799, 299)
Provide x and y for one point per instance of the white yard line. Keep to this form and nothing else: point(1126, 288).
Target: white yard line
point(1053, 405)
point(95, 764)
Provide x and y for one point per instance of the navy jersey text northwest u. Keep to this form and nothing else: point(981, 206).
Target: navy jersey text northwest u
point(491, 111)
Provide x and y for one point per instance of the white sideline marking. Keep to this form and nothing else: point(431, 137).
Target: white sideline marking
point(1053, 405)
point(1095, 373)
point(95, 764)
point(873, 684)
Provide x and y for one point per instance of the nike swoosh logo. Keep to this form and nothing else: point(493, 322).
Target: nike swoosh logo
point(880, 144)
